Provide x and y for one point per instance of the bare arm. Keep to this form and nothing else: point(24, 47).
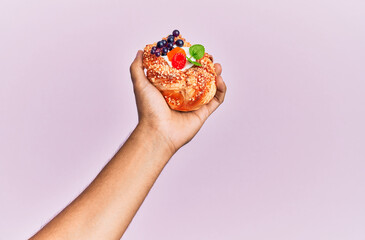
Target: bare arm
point(107, 206)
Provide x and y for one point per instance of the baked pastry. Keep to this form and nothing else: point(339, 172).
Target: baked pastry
point(183, 73)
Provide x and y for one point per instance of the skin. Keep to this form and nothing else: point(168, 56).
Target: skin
point(107, 206)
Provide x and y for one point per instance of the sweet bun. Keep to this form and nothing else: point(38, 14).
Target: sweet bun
point(183, 89)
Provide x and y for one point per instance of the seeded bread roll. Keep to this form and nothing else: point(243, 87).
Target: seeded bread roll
point(185, 90)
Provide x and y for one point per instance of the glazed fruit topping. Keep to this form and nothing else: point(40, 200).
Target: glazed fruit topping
point(160, 44)
point(176, 33)
point(164, 46)
point(153, 50)
point(170, 46)
point(164, 51)
point(170, 39)
point(179, 43)
point(171, 54)
point(178, 61)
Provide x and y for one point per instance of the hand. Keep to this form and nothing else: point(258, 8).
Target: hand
point(177, 128)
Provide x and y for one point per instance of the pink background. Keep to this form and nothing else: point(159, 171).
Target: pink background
point(283, 158)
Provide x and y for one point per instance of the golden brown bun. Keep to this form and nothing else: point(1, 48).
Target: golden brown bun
point(184, 90)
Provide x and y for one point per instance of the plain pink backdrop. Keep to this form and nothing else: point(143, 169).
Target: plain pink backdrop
point(283, 158)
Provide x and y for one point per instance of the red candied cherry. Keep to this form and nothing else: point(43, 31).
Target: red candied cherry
point(178, 61)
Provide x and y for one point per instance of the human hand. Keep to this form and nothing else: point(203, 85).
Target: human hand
point(177, 128)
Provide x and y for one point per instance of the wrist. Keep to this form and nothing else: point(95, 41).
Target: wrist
point(155, 138)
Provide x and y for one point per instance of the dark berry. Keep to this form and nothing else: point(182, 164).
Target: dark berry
point(158, 54)
point(170, 39)
point(176, 33)
point(164, 51)
point(170, 46)
point(160, 44)
point(153, 50)
point(164, 42)
point(179, 43)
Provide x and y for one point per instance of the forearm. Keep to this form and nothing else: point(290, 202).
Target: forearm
point(108, 204)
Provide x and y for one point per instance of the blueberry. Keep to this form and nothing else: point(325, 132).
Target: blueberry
point(170, 39)
point(153, 51)
point(158, 54)
point(179, 43)
point(176, 33)
point(160, 44)
point(164, 42)
point(170, 46)
point(164, 51)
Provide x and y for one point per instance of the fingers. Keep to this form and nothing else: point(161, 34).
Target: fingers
point(219, 95)
point(217, 100)
point(221, 90)
point(136, 70)
point(218, 69)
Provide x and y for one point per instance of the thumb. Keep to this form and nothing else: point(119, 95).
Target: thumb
point(136, 70)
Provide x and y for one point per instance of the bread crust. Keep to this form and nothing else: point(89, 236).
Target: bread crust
point(184, 90)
